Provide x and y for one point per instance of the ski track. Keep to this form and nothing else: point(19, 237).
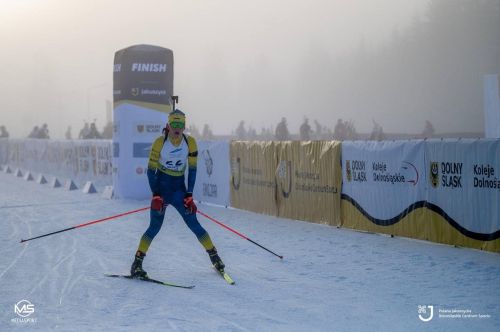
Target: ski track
point(330, 279)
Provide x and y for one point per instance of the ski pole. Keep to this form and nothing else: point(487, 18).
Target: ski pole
point(237, 233)
point(88, 223)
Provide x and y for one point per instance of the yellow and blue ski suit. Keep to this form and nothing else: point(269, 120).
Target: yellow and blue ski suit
point(166, 168)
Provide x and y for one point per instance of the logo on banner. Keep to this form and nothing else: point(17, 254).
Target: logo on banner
point(140, 128)
point(285, 177)
point(434, 174)
point(236, 171)
point(209, 163)
point(134, 92)
point(412, 172)
point(348, 171)
point(446, 174)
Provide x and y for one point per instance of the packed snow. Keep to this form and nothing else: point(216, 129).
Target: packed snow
point(331, 279)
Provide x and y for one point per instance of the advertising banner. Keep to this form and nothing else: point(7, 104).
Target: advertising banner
point(463, 178)
point(309, 181)
point(213, 173)
point(80, 160)
point(384, 188)
point(142, 91)
point(253, 183)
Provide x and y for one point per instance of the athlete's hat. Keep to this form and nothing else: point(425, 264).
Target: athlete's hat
point(177, 117)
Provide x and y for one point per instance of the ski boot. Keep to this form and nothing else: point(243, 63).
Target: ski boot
point(215, 259)
point(136, 270)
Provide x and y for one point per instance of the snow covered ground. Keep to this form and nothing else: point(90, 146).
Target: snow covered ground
point(330, 279)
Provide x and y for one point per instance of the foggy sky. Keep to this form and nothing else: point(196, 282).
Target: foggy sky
point(233, 60)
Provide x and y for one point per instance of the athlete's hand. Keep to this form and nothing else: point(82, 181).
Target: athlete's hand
point(157, 203)
point(189, 203)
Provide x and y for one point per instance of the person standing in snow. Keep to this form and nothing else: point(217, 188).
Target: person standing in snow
point(170, 154)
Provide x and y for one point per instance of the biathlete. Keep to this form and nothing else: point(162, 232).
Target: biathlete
point(170, 154)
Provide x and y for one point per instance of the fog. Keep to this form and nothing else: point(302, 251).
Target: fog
point(234, 60)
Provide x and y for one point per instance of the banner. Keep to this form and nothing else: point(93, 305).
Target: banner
point(213, 173)
point(309, 181)
point(80, 160)
point(444, 191)
point(463, 178)
point(142, 90)
point(384, 187)
point(492, 106)
point(253, 183)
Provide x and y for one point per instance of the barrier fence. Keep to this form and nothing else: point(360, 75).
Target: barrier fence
point(445, 191)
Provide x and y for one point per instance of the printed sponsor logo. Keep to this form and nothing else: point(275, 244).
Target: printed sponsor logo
point(356, 170)
point(134, 92)
point(210, 190)
point(151, 128)
point(434, 174)
point(447, 174)
point(149, 67)
point(285, 177)
point(348, 171)
point(117, 67)
point(236, 173)
point(209, 163)
point(139, 170)
point(141, 150)
point(484, 177)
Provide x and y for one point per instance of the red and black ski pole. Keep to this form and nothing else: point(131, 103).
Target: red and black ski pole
point(88, 223)
point(237, 233)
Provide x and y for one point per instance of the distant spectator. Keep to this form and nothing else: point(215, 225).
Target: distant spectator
point(3, 132)
point(241, 132)
point(428, 130)
point(68, 133)
point(44, 132)
point(282, 133)
point(84, 132)
point(305, 130)
point(107, 131)
point(34, 132)
point(340, 130)
point(93, 132)
point(377, 132)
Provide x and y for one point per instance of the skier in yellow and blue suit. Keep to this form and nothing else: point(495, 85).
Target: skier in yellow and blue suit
point(170, 154)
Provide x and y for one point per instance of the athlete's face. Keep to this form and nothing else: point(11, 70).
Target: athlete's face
point(176, 129)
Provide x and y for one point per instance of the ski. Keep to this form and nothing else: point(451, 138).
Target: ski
point(149, 280)
point(226, 276)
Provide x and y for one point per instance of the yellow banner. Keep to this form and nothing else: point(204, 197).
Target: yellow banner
point(253, 184)
point(309, 181)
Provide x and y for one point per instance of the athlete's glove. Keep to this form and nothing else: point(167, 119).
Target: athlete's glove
point(189, 203)
point(157, 203)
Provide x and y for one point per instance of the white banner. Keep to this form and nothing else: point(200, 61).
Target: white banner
point(464, 182)
point(213, 173)
point(384, 178)
point(135, 130)
point(80, 160)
